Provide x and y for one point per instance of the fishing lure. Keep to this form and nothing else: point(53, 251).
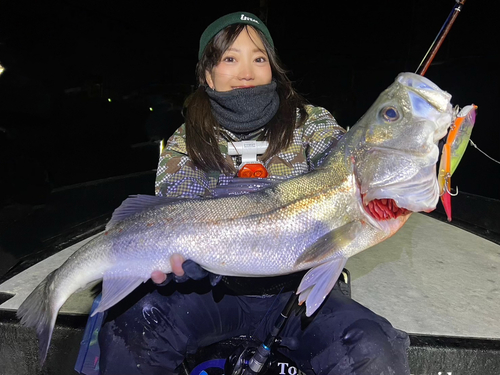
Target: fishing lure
point(453, 150)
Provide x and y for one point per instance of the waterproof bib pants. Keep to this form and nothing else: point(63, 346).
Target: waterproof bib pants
point(152, 333)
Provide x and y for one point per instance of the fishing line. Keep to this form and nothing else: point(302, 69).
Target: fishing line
point(482, 152)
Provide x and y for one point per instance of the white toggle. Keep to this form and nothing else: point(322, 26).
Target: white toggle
point(247, 149)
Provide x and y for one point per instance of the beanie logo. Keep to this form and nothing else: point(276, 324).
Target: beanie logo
point(245, 18)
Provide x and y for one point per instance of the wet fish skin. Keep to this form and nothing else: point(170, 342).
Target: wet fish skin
point(314, 221)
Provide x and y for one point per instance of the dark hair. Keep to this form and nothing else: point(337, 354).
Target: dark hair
point(203, 130)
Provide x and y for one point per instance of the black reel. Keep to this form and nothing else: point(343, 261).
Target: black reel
point(254, 359)
point(238, 361)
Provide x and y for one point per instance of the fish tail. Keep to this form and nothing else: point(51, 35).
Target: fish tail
point(39, 311)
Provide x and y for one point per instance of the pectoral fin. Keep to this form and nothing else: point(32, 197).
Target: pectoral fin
point(114, 289)
point(330, 243)
point(318, 282)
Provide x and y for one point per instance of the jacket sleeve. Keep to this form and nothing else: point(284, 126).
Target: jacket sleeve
point(177, 176)
point(321, 134)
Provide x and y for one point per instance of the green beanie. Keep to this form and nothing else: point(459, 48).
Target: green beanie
point(231, 19)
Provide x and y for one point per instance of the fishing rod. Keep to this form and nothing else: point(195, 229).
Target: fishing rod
point(449, 158)
point(438, 41)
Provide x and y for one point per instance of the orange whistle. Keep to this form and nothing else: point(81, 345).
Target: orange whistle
point(251, 170)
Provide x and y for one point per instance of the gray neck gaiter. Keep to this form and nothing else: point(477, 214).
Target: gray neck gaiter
point(244, 110)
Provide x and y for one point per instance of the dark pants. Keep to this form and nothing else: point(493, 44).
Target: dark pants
point(153, 334)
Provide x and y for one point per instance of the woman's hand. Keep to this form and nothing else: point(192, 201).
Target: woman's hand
point(183, 270)
point(176, 261)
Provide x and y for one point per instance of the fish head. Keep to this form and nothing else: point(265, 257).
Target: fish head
point(393, 148)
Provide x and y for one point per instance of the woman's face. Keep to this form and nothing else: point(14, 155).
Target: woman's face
point(243, 65)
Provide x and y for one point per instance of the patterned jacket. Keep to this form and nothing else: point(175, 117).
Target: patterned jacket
point(178, 176)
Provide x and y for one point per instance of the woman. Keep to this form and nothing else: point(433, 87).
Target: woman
point(244, 94)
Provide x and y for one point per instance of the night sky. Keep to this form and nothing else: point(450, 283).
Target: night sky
point(64, 60)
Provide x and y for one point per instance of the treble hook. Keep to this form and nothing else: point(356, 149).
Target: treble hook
point(446, 181)
point(446, 188)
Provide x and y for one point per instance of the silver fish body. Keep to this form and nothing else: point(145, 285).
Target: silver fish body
point(314, 221)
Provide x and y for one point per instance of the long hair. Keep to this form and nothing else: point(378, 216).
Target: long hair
point(203, 130)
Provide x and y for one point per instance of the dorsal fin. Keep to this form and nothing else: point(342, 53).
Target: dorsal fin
point(138, 203)
point(135, 204)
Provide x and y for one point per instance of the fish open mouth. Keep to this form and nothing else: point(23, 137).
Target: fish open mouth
point(384, 209)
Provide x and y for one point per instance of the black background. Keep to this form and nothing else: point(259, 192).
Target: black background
point(64, 59)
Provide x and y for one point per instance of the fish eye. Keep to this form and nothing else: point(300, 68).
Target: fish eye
point(389, 114)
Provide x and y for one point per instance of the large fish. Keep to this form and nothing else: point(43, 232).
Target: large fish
point(380, 171)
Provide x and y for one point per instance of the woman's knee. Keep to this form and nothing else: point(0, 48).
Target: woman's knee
point(376, 347)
